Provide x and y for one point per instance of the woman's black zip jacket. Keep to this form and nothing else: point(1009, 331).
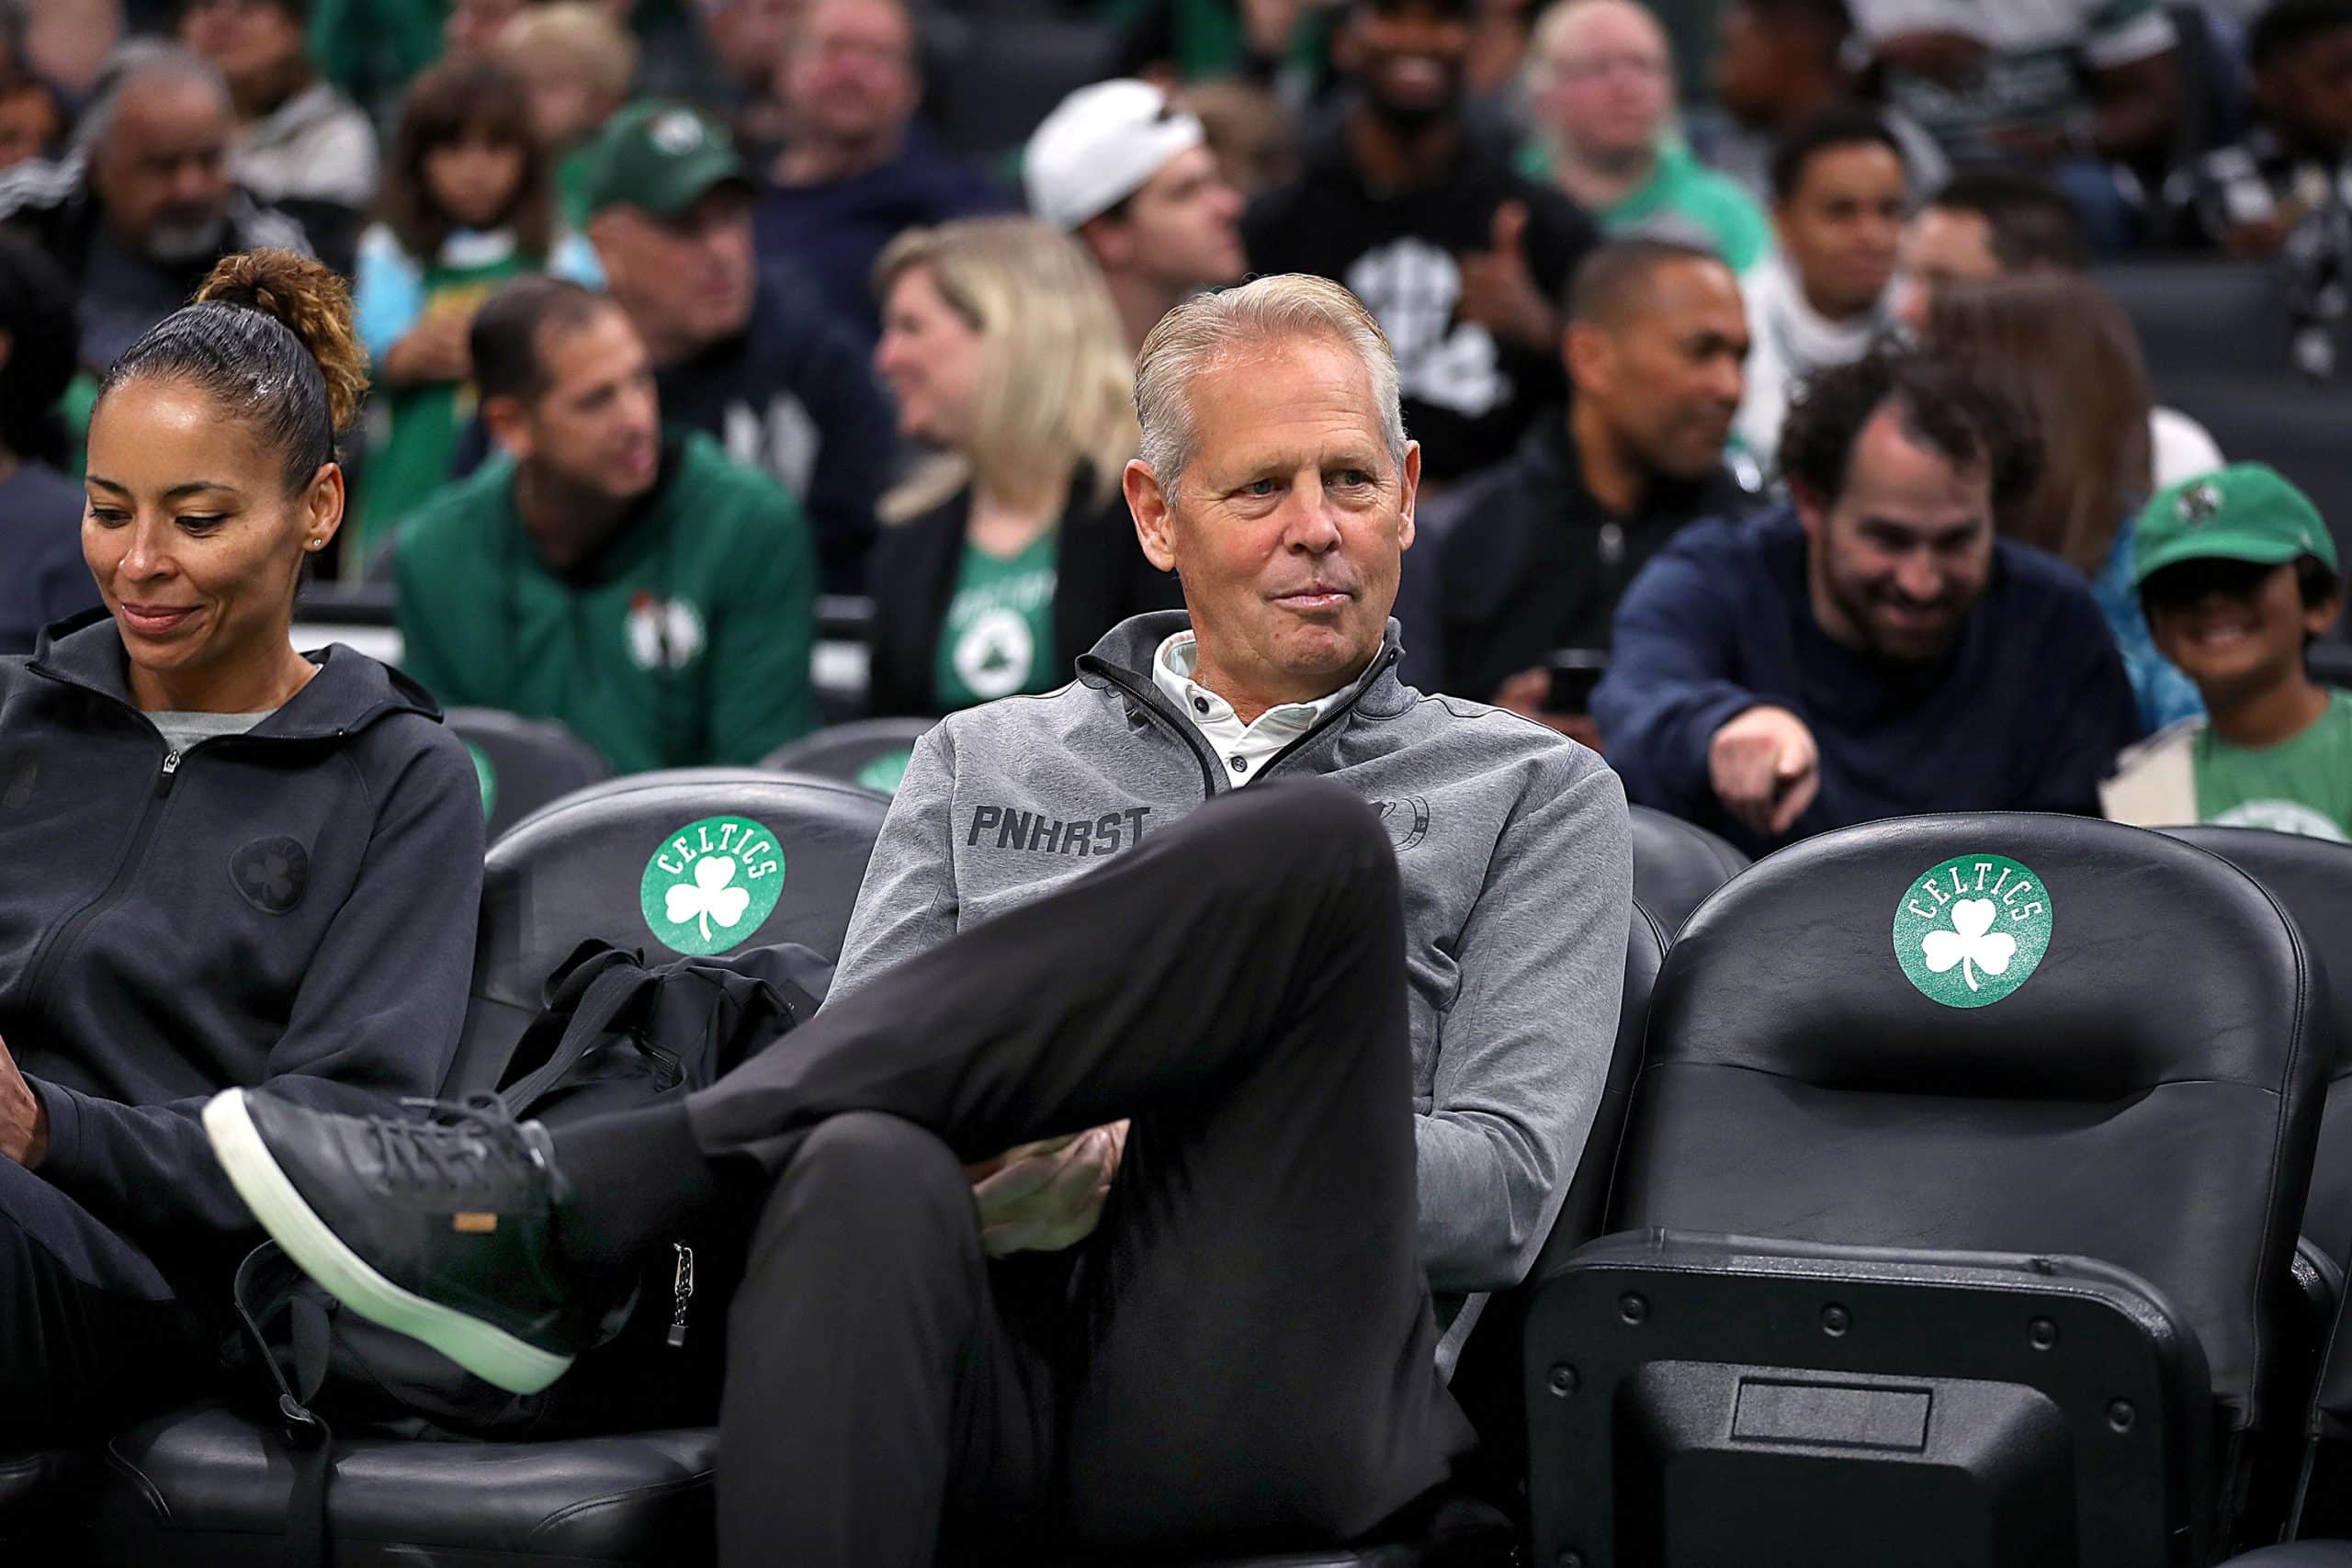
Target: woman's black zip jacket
point(294, 906)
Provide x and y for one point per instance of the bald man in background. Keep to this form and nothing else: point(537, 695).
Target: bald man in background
point(1529, 556)
point(1600, 83)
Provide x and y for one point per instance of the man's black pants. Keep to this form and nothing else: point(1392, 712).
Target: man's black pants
point(1242, 1353)
point(91, 1334)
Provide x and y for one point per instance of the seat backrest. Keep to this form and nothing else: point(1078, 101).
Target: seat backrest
point(2001, 1033)
point(1677, 864)
point(523, 764)
point(1487, 1381)
point(2203, 317)
point(2313, 878)
point(870, 751)
point(698, 861)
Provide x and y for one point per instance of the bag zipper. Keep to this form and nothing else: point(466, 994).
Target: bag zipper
point(682, 1292)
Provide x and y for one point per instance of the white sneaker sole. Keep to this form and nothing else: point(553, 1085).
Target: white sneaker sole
point(490, 1353)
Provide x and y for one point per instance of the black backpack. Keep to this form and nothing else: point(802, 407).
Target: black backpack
point(616, 1035)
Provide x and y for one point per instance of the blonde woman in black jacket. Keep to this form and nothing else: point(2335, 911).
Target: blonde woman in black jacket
point(1011, 552)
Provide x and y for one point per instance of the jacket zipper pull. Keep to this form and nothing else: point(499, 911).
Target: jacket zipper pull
point(171, 770)
point(682, 1289)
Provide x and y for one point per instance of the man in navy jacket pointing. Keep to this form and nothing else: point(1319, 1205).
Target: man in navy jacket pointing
point(1872, 650)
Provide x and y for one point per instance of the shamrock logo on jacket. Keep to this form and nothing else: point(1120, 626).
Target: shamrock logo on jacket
point(271, 873)
point(1971, 943)
point(711, 896)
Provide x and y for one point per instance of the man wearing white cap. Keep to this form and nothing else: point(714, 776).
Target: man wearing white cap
point(1126, 172)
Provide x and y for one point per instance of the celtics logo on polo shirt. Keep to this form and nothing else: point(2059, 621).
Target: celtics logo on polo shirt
point(1972, 930)
point(711, 884)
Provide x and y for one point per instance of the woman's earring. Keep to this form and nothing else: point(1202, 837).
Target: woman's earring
point(315, 544)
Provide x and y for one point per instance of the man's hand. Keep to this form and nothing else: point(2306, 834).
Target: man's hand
point(1525, 694)
point(2258, 238)
point(1501, 293)
point(1046, 1196)
point(1765, 768)
point(1950, 59)
point(24, 1121)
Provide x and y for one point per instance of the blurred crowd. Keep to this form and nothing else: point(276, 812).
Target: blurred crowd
point(684, 313)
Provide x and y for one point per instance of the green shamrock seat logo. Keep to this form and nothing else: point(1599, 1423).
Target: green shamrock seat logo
point(711, 884)
point(885, 772)
point(1972, 930)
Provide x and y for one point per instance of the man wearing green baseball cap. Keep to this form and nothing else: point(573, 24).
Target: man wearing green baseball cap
point(743, 351)
point(2238, 575)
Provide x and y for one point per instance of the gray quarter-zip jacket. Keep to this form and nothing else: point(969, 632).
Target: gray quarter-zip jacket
point(1518, 882)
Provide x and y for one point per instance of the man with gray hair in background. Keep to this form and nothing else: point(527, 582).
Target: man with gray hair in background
point(1197, 1023)
point(143, 206)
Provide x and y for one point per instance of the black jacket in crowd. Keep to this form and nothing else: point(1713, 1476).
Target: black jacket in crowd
point(294, 907)
point(1520, 561)
point(795, 397)
point(1466, 397)
point(1102, 577)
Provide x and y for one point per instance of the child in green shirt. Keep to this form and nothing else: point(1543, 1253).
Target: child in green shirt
point(2238, 574)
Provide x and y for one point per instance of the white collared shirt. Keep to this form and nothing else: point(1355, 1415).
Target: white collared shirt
point(1245, 749)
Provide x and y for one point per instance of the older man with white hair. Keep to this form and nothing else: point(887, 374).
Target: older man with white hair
point(144, 206)
point(1120, 166)
point(1103, 1202)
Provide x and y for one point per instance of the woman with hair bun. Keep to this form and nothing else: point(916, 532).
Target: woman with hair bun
point(226, 862)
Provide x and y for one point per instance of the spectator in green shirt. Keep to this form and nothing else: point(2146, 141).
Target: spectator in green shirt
point(648, 591)
point(1601, 84)
point(2239, 574)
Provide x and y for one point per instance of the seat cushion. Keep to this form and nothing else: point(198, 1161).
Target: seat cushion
point(42, 1490)
point(2299, 1554)
point(1451, 1530)
point(209, 1484)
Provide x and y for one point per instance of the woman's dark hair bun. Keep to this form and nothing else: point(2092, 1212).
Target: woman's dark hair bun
point(310, 300)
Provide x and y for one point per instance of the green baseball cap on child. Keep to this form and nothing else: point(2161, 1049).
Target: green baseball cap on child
point(2246, 511)
point(661, 157)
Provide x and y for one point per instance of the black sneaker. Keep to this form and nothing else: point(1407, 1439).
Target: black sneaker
point(437, 1230)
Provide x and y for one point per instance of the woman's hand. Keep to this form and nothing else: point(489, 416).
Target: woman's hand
point(24, 1121)
point(1046, 1196)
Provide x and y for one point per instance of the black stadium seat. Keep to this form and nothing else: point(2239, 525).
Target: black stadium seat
point(1677, 864)
point(524, 763)
point(2313, 879)
point(2028, 1104)
point(870, 751)
point(2202, 317)
point(210, 1485)
point(582, 868)
point(1488, 1379)
point(43, 1502)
